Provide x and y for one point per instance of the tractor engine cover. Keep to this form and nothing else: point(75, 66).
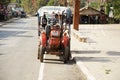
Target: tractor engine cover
point(54, 39)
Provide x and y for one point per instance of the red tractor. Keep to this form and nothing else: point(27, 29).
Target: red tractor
point(55, 39)
point(56, 42)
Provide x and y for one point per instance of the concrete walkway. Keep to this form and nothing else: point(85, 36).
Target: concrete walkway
point(97, 51)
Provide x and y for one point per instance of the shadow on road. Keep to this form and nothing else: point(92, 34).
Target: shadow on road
point(20, 27)
point(93, 59)
point(2, 44)
point(28, 36)
point(5, 34)
point(58, 61)
point(86, 51)
point(115, 53)
point(1, 54)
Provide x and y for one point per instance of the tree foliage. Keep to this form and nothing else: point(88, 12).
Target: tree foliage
point(51, 2)
point(30, 6)
point(26, 4)
point(116, 8)
point(13, 1)
point(94, 5)
point(4, 2)
point(114, 3)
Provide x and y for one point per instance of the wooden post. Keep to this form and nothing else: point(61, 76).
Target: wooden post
point(76, 16)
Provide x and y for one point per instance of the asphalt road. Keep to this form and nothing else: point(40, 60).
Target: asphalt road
point(18, 51)
point(18, 55)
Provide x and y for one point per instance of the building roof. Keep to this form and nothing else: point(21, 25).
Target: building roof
point(90, 11)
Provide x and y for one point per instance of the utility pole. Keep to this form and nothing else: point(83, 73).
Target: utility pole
point(76, 16)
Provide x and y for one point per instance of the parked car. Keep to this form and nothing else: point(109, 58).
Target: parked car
point(23, 14)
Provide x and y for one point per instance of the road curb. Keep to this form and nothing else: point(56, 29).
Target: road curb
point(80, 37)
point(82, 68)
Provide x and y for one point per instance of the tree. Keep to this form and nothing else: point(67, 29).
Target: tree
point(63, 2)
point(13, 0)
point(94, 5)
point(31, 6)
point(26, 4)
point(51, 3)
point(116, 8)
point(4, 2)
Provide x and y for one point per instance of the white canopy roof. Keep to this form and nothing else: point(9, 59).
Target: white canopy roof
point(51, 9)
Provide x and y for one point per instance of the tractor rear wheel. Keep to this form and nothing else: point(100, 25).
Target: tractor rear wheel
point(66, 54)
point(38, 57)
point(41, 53)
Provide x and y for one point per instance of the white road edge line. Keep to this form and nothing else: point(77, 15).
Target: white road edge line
point(84, 70)
point(41, 71)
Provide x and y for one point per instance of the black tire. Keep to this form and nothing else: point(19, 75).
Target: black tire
point(38, 57)
point(69, 51)
point(41, 53)
point(66, 54)
point(69, 54)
